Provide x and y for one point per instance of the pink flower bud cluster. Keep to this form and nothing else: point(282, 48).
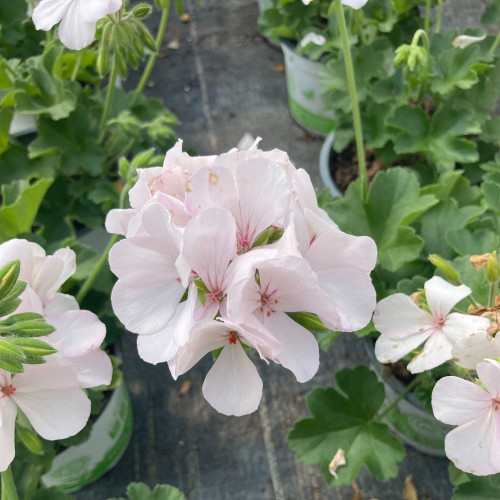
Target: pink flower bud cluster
point(50, 394)
point(217, 251)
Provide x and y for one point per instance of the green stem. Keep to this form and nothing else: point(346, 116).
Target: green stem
point(152, 58)
point(8, 487)
point(109, 98)
point(422, 34)
point(495, 45)
point(407, 390)
point(104, 257)
point(358, 131)
point(77, 65)
point(359, 22)
point(427, 21)
point(439, 19)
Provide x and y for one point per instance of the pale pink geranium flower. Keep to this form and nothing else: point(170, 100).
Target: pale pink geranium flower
point(404, 326)
point(474, 348)
point(474, 446)
point(78, 18)
point(233, 385)
point(79, 334)
point(49, 396)
point(284, 284)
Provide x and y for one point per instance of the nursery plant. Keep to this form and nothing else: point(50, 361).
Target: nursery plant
point(436, 276)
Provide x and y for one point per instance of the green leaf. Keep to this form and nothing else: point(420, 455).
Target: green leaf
point(10, 351)
point(74, 139)
point(393, 201)
point(141, 491)
point(441, 137)
point(458, 68)
point(18, 216)
point(491, 191)
point(442, 218)
point(345, 421)
point(405, 247)
point(477, 242)
point(11, 365)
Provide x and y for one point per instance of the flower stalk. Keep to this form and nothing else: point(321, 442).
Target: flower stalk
point(358, 131)
point(152, 58)
point(9, 491)
point(82, 293)
point(394, 404)
point(109, 98)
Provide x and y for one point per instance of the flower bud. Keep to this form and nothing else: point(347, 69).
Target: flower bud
point(8, 277)
point(492, 269)
point(142, 10)
point(444, 267)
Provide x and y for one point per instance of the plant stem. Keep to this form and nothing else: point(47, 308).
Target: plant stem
point(8, 487)
point(358, 131)
point(427, 21)
point(422, 34)
point(104, 257)
point(407, 390)
point(152, 58)
point(439, 18)
point(493, 294)
point(109, 98)
point(77, 66)
point(494, 47)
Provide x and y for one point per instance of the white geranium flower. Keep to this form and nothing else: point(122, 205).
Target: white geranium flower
point(78, 18)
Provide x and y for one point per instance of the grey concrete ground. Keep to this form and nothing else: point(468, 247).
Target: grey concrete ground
point(222, 81)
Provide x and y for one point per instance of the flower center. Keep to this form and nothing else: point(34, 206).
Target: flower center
point(495, 402)
point(233, 337)
point(7, 390)
point(438, 322)
point(215, 296)
point(267, 303)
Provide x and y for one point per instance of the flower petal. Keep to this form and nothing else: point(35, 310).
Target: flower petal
point(74, 32)
point(456, 401)
point(436, 351)
point(117, 220)
point(92, 369)
point(442, 296)
point(489, 374)
point(300, 353)
point(459, 326)
point(48, 13)
point(233, 385)
point(469, 446)
point(59, 304)
point(148, 309)
point(389, 350)
point(8, 412)
point(474, 348)
point(77, 332)
point(398, 317)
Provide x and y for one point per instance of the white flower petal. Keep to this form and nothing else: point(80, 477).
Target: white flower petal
point(59, 304)
point(462, 41)
point(469, 446)
point(442, 296)
point(474, 348)
point(8, 412)
point(389, 350)
point(489, 374)
point(300, 353)
point(436, 351)
point(48, 13)
point(398, 317)
point(92, 369)
point(233, 385)
point(456, 401)
point(355, 4)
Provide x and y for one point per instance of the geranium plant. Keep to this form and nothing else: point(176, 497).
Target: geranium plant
point(436, 275)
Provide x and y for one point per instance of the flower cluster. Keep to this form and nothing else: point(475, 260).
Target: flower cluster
point(51, 394)
point(218, 250)
point(469, 340)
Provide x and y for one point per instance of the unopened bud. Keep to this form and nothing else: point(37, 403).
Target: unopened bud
point(444, 267)
point(8, 277)
point(479, 261)
point(142, 10)
point(492, 268)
